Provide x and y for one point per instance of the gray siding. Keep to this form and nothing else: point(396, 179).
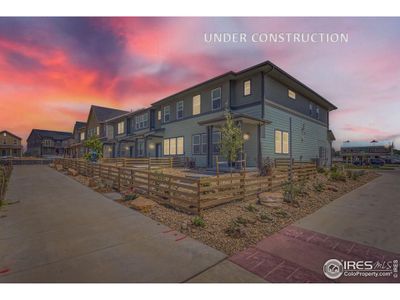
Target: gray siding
point(278, 92)
point(307, 136)
point(238, 98)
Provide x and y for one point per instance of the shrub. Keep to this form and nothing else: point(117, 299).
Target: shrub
point(130, 197)
point(251, 208)
point(338, 176)
point(321, 170)
point(290, 191)
point(281, 214)
point(265, 217)
point(241, 220)
point(319, 186)
point(198, 221)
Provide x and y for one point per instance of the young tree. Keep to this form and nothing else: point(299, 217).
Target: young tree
point(232, 139)
point(95, 149)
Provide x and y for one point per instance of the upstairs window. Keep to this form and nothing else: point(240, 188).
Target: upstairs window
point(82, 136)
point(291, 94)
point(247, 87)
point(159, 115)
point(317, 113)
point(167, 110)
point(179, 110)
point(310, 109)
point(216, 98)
point(196, 104)
point(98, 130)
point(121, 127)
point(142, 121)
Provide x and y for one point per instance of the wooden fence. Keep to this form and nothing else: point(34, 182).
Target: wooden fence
point(188, 193)
point(146, 162)
point(5, 173)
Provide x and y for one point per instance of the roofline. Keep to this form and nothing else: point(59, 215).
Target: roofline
point(127, 114)
point(11, 134)
point(260, 65)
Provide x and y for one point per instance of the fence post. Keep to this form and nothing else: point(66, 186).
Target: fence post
point(198, 197)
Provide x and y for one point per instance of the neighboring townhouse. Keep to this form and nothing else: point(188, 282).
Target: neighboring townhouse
point(95, 125)
point(362, 152)
point(73, 145)
point(47, 142)
point(10, 144)
point(276, 113)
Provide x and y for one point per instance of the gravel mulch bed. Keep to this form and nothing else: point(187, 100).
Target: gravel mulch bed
point(233, 227)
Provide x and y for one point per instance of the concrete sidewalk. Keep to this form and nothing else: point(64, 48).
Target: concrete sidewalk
point(58, 230)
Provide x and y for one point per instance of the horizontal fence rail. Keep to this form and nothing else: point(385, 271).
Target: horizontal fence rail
point(182, 192)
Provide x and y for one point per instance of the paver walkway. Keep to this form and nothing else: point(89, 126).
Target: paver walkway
point(58, 230)
point(362, 225)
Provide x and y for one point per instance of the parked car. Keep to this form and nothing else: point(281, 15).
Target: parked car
point(357, 163)
point(376, 162)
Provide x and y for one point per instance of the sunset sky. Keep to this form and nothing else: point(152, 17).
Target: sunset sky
point(53, 69)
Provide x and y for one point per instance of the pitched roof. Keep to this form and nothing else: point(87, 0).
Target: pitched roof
point(57, 135)
point(10, 133)
point(105, 113)
point(79, 125)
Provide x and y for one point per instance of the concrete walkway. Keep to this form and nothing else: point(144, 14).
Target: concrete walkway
point(361, 225)
point(58, 230)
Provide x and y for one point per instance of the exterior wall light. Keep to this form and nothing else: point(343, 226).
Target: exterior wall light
point(151, 146)
point(246, 136)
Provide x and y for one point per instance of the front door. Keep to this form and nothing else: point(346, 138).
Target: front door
point(158, 150)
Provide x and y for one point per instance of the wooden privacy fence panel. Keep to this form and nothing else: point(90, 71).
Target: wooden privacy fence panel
point(187, 193)
point(5, 173)
point(146, 162)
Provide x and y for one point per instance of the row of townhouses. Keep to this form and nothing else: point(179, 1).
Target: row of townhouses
point(276, 113)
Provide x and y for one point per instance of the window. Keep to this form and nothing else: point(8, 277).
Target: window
point(166, 147)
point(82, 136)
point(204, 143)
point(199, 144)
point(216, 98)
point(4, 134)
point(174, 146)
point(196, 144)
point(196, 105)
point(15, 142)
point(140, 147)
point(291, 94)
point(317, 113)
point(142, 121)
point(159, 115)
point(281, 142)
point(247, 87)
point(98, 130)
point(216, 141)
point(121, 127)
point(166, 113)
point(310, 109)
point(179, 110)
point(179, 146)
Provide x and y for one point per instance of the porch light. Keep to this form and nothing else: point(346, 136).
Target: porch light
point(246, 136)
point(109, 150)
point(126, 148)
point(151, 146)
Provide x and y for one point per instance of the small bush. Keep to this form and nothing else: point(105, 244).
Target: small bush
point(251, 208)
point(290, 191)
point(321, 170)
point(130, 197)
point(198, 221)
point(241, 220)
point(319, 186)
point(281, 214)
point(265, 217)
point(338, 176)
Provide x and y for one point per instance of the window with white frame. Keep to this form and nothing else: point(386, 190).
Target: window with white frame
point(121, 127)
point(142, 121)
point(159, 115)
point(98, 130)
point(317, 113)
point(310, 109)
point(174, 146)
point(281, 142)
point(216, 98)
point(216, 142)
point(82, 136)
point(247, 87)
point(291, 94)
point(204, 143)
point(196, 104)
point(179, 110)
point(167, 111)
point(196, 144)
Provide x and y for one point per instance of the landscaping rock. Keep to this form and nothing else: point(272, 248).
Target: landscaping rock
point(184, 226)
point(270, 199)
point(52, 165)
point(59, 167)
point(332, 188)
point(92, 182)
point(72, 172)
point(142, 204)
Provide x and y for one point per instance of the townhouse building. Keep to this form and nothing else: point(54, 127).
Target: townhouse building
point(10, 144)
point(277, 114)
point(42, 142)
